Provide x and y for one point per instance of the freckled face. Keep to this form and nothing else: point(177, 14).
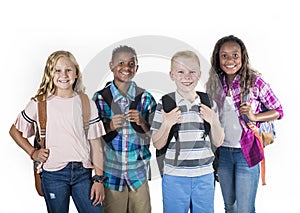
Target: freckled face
point(230, 57)
point(185, 73)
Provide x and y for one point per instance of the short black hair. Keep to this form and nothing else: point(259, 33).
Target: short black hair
point(123, 48)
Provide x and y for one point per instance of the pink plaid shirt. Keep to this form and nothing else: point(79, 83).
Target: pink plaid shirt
point(260, 94)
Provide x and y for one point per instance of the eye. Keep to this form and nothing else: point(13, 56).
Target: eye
point(223, 56)
point(235, 55)
point(68, 70)
point(57, 70)
point(131, 64)
point(121, 63)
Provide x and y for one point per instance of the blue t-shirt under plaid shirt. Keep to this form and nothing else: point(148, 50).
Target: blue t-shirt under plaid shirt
point(126, 158)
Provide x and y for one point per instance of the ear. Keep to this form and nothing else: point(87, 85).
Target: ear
point(111, 66)
point(137, 67)
point(171, 74)
point(199, 75)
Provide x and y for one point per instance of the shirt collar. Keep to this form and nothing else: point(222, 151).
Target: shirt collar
point(182, 101)
point(117, 95)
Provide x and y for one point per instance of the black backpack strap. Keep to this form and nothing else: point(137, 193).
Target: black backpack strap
point(107, 97)
point(133, 105)
point(168, 103)
point(206, 101)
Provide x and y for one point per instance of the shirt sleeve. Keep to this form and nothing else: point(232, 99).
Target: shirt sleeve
point(157, 119)
point(96, 128)
point(268, 98)
point(26, 120)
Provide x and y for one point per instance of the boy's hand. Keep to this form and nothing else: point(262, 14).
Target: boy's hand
point(171, 117)
point(207, 114)
point(133, 115)
point(116, 122)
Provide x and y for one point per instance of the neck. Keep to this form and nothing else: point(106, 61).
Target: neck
point(65, 93)
point(229, 79)
point(123, 87)
point(190, 96)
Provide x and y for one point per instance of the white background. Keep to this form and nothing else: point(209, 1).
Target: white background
point(31, 30)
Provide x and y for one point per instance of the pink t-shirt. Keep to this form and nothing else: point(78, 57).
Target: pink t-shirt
point(65, 137)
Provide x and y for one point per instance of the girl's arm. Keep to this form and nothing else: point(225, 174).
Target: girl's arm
point(38, 155)
point(259, 117)
point(97, 190)
point(160, 136)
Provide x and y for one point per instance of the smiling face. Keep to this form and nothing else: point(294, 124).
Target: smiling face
point(185, 72)
point(124, 66)
point(230, 57)
point(64, 76)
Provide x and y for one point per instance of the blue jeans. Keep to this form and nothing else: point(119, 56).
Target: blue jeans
point(73, 180)
point(238, 181)
point(183, 193)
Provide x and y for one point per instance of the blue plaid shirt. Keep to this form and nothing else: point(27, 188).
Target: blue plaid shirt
point(126, 156)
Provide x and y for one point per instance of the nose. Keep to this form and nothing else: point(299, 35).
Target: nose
point(187, 75)
point(63, 73)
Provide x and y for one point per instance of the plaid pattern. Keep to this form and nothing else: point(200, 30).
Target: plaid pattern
point(260, 94)
point(126, 156)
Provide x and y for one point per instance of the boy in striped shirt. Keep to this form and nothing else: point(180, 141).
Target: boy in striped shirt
point(188, 181)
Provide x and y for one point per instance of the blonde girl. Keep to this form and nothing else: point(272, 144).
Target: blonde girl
point(69, 156)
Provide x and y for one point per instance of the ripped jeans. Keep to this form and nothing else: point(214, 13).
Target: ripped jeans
point(73, 180)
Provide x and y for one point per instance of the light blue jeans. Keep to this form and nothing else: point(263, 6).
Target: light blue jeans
point(183, 193)
point(238, 181)
point(73, 180)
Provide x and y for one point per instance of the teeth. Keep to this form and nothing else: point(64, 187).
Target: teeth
point(63, 81)
point(125, 73)
point(230, 66)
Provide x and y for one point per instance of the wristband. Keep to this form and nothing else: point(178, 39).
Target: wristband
point(99, 178)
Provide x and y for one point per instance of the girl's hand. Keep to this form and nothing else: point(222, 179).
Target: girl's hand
point(245, 109)
point(41, 155)
point(97, 193)
point(171, 117)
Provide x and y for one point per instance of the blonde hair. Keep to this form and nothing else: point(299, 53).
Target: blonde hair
point(47, 86)
point(185, 54)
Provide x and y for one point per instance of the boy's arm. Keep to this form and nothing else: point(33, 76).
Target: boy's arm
point(216, 131)
point(160, 137)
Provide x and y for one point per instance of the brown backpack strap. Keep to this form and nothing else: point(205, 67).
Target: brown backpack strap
point(86, 112)
point(42, 113)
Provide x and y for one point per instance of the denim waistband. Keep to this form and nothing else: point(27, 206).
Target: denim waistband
point(74, 165)
point(232, 149)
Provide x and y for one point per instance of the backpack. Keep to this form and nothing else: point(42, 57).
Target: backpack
point(40, 137)
point(266, 129)
point(168, 102)
point(107, 97)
